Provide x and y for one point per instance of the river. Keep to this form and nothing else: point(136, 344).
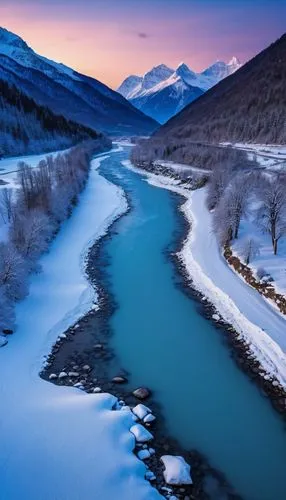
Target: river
point(161, 338)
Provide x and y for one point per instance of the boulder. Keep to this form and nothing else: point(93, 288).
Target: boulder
point(143, 454)
point(119, 380)
point(149, 418)
point(141, 411)
point(150, 475)
point(141, 393)
point(177, 471)
point(141, 434)
point(216, 317)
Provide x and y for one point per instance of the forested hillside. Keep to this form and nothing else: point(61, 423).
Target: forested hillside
point(26, 127)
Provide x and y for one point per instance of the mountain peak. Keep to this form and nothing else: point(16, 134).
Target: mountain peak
point(185, 73)
point(156, 75)
point(160, 67)
point(9, 38)
point(234, 61)
point(234, 64)
point(128, 86)
point(183, 66)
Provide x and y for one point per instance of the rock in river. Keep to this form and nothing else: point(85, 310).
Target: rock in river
point(141, 411)
point(119, 380)
point(7, 331)
point(141, 393)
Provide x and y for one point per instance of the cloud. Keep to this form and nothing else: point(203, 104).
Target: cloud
point(143, 35)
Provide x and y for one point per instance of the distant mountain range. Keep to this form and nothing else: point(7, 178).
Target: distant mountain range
point(163, 92)
point(248, 106)
point(67, 92)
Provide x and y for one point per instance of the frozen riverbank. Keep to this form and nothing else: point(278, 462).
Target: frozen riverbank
point(58, 442)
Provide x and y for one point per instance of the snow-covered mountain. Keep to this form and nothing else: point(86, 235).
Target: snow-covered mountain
point(163, 92)
point(247, 107)
point(67, 92)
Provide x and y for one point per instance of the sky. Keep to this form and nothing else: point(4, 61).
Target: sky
point(111, 39)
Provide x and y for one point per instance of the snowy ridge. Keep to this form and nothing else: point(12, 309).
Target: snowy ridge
point(53, 84)
point(92, 455)
point(162, 92)
point(256, 321)
point(135, 86)
point(23, 54)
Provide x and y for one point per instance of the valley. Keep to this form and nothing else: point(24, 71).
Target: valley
point(142, 251)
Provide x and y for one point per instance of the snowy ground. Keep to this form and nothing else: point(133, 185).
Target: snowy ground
point(59, 443)
point(256, 321)
point(274, 265)
point(268, 156)
point(271, 150)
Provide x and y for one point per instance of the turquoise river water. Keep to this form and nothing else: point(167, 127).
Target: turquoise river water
point(160, 337)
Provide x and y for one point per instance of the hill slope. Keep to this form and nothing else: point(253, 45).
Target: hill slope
point(248, 106)
point(64, 91)
point(26, 127)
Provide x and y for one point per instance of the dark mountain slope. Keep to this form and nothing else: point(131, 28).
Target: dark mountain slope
point(248, 106)
point(26, 127)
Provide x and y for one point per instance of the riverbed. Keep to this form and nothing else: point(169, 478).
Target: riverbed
point(164, 342)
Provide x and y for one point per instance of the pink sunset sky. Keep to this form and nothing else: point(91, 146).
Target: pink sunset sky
point(110, 39)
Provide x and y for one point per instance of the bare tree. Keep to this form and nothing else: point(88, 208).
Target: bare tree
point(30, 233)
point(222, 222)
point(217, 184)
point(13, 273)
point(6, 204)
point(272, 214)
point(7, 314)
point(236, 198)
point(250, 248)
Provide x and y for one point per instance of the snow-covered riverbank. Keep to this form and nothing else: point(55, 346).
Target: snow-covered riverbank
point(256, 321)
point(59, 442)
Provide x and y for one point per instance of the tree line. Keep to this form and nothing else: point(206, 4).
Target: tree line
point(195, 154)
